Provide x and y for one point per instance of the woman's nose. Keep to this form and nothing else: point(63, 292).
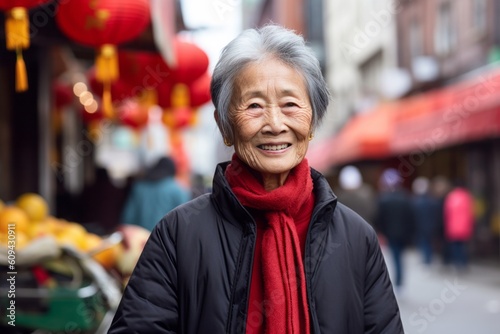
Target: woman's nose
point(275, 122)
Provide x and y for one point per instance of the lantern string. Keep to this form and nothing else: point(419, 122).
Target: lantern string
point(180, 95)
point(107, 103)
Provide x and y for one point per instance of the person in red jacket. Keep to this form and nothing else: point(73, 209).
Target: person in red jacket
point(458, 223)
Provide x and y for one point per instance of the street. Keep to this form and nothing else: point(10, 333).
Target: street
point(439, 300)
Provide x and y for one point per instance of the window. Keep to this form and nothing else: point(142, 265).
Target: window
point(415, 39)
point(445, 33)
point(479, 11)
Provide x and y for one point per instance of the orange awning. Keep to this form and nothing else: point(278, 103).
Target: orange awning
point(365, 136)
point(464, 112)
point(459, 113)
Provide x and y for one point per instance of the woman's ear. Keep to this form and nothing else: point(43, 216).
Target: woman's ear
point(216, 116)
point(217, 120)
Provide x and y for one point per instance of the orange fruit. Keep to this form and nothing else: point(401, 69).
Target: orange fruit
point(108, 257)
point(15, 216)
point(4, 239)
point(21, 240)
point(38, 229)
point(74, 234)
point(135, 237)
point(92, 241)
point(54, 225)
point(34, 205)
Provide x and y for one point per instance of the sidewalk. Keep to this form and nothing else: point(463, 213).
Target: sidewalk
point(439, 300)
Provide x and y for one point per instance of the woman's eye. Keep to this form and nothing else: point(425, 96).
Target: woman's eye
point(254, 105)
point(290, 104)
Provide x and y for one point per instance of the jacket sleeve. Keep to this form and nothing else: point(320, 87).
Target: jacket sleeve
point(149, 302)
point(381, 311)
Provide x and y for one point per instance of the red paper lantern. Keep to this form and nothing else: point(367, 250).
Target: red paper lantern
point(120, 89)
point(192, 62)
point(164, 94)
point(96, 23)
point(63, 95)
point(9, 4)
point(131, 113)
point(89, 117)
point(199, 90)
point(177, 118)
point(104, 24)
point(17, 34)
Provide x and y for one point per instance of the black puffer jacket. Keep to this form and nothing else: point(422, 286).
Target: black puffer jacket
point(194, 274)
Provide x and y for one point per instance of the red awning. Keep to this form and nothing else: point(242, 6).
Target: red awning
point(463, 112)
point(460, 113)
point(366, 136)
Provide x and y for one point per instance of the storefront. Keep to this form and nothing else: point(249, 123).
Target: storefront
point(453, 132)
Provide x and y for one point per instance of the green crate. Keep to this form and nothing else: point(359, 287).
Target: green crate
point(66, 310)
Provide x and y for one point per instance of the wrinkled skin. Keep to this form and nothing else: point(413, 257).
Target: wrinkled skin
point(271, 115)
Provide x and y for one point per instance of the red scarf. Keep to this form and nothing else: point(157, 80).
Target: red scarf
point(286, 309)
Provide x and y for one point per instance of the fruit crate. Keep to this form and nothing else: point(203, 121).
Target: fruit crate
point(57, 309)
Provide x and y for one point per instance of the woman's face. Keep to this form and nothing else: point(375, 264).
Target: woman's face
point(271, 116)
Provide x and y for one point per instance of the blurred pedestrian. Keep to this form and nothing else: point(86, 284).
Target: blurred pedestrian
point(198, 185)
point(395, 220)
point(440, 187)
point(153, 195)
point(427, 212)
point(459, 223)
point(356, 194)
point(102, 202)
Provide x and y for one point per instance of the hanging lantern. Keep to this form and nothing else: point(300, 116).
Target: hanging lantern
point(145, 70)
point(120, 89)
point(133, 114)
point(89, 116)
point(192, 62)
point(199, 90)
point(141, 74)
point(17, 34)
point(164, 94)
point(63, 95)
point(104, 24)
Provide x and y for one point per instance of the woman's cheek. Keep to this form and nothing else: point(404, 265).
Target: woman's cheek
point(302, 121)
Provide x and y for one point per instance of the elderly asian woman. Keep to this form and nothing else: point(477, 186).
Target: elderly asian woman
point(270, 250)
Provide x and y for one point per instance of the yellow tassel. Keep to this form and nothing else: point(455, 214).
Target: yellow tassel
point(193, 118)
point(107, 64)
point(17, 32)
point(107, 103)
point(17, 37)
point(106, 73)
point(148, 97)
point(21, 76)
point(168, 118)
point(180, 96)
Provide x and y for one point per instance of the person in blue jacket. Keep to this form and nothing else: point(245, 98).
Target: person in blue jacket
point(154, 195)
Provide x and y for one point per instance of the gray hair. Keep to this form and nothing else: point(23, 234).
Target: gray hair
point(253, 45)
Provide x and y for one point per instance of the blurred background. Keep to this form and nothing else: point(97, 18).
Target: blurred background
point(94, 92)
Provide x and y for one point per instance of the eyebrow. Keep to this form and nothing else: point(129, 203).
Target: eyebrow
point(258, 93)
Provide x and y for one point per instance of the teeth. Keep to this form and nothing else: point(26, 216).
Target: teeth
point(274, 147)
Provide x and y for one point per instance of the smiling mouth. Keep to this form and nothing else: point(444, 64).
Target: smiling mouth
point(274, 147)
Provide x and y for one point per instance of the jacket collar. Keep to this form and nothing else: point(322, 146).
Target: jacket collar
point(325, 198)
point(233, 210)
point(226, 201)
